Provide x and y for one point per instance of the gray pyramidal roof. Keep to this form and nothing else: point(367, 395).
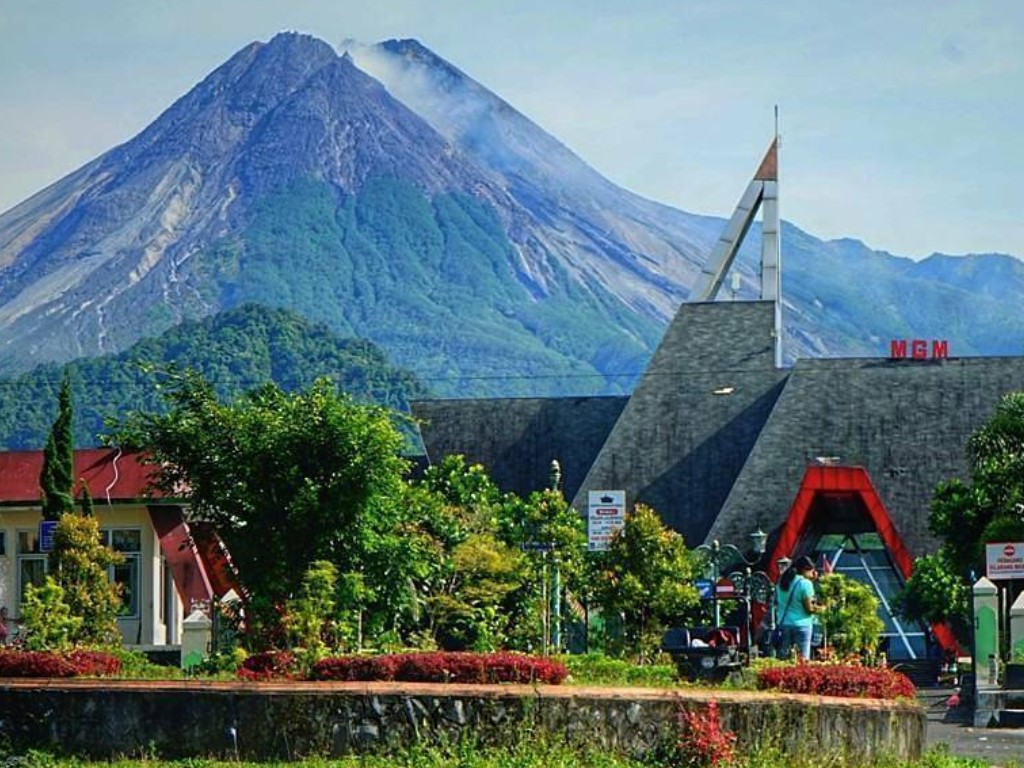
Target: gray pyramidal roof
point(716, 438)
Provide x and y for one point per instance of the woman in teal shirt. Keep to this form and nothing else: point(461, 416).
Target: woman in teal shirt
point(795, 607)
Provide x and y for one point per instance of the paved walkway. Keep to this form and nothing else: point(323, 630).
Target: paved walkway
point(997, 746)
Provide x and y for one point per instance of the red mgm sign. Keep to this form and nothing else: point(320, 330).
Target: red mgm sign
point(919, 349)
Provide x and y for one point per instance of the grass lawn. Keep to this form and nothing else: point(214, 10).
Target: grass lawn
point(526, 754)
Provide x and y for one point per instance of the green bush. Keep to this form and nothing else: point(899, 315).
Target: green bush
point(310, 613)
point(46, 618)
point(598, 669)
point(135, 666)
point(80, 562)
point(851, 615)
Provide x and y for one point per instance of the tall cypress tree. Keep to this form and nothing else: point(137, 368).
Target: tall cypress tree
point(86, 501)
point(58, 476)
point(79, 562)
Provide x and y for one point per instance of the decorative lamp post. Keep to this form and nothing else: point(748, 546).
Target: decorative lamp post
point(752, 585)
point(714, 557)
point(755, 586)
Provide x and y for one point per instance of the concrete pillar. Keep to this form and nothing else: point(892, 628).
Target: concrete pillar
point(196, 633)
point(1017, 629)
point(986, 630)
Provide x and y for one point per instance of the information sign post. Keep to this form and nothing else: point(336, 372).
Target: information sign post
point(606, 515)
point(1004, 560)
point(46, 530)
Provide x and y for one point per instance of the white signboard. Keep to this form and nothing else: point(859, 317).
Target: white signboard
point(606, 515)
point(1004, 560)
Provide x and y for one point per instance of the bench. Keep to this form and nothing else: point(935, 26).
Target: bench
point(706, 653)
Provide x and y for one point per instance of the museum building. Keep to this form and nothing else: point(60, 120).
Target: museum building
point(834, 458)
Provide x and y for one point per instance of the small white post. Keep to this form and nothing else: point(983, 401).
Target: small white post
point(196, 634)
point(1017, 629)
point(986, 652)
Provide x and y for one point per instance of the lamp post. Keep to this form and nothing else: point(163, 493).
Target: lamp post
point(752, 585)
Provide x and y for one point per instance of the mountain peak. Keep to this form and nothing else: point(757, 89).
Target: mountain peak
point(408, 45)
point(294, 38)
point(299, 45)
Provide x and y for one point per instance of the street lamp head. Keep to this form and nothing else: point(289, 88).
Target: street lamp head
point(758, 541)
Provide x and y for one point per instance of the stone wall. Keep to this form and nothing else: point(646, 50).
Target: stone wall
point(103, 719)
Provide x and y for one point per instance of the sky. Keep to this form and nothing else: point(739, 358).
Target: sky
point(900, 121)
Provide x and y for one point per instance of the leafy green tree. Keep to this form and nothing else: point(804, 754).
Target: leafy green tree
point(483, 589)
point(471, 499)
point(472, 571)
point(57, 478)
point(851, 618)
point(935, 593)
point(646, 577)
point(79, 563)
point(468, 612)
point(87, 506)
point(289, 479)
point(547, 520)
point(967, 515)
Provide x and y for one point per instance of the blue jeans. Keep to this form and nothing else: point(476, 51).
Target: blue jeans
point(798, 636)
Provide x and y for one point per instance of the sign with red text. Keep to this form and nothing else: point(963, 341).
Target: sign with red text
point(1004, 560)
point(606, 515)
point(918, 349)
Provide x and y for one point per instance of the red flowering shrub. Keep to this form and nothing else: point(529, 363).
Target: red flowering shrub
point(94, 663)
point(703, 742)
point(350, 668)
point(269, 665)
point(848, 680)
point(516, 668)
point(15, 663)
point(18, 663)
point(442, 667)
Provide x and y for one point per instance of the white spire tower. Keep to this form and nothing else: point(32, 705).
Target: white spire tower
point(763, 190)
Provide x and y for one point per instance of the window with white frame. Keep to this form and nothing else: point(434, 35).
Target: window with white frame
point(128, 543)
point(31, 561)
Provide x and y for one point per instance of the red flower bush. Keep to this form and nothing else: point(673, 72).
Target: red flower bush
point(703, 742)
point(270, 665)
point(443, 667)
point(352, 668)
point(17, 663)
point(94, 663)
point(34, 664)
point(847, 680)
